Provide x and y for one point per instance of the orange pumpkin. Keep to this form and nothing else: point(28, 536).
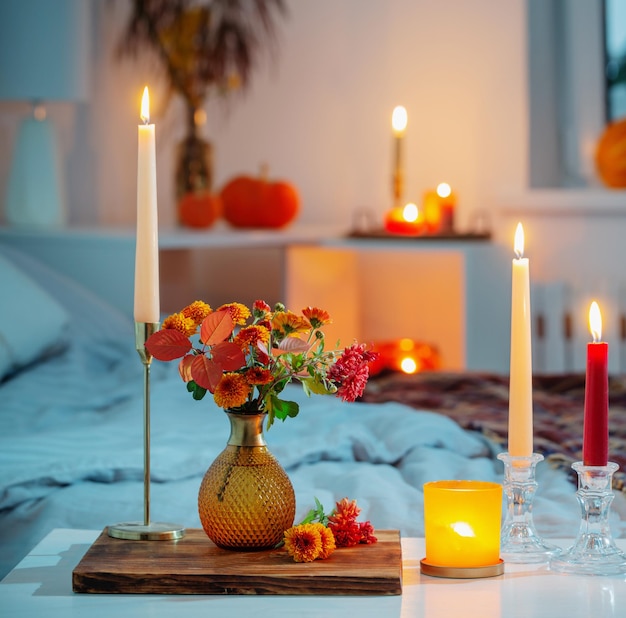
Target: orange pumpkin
point(259, 202)
point(611, 155)
point(199, 210)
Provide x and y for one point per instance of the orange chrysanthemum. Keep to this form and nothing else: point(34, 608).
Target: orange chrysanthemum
point(258, 375)
point(232, 391)
point(238, 312)
point(328, 541)
point(317, 317)
point(304, 542)
point(287, 323)
point(252, 336)
point(197, 311)
point(346, 510)
point(179, 322)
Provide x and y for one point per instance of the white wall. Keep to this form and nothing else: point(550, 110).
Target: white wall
point(320, 113)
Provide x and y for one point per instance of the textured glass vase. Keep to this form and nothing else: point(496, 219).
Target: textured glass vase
point(246, 500)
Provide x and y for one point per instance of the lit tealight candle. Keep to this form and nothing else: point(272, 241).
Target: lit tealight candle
point(520, 379)
point(596, 418)
point(404, 220)
point(147, 248)
point(462, 521)
point(399, 119)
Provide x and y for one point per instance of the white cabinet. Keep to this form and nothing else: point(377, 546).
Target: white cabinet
point(452, 294)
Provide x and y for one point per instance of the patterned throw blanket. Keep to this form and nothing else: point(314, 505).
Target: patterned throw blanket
point(479, 402)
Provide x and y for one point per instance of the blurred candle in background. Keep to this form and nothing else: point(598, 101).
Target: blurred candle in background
point(520, 379)
point(447, 206)
point(399, 121)
point(596, 418)
point(405, 219)
point(147, 247)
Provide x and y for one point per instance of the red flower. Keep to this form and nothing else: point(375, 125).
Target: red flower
point(367, 533)
point(351, 371)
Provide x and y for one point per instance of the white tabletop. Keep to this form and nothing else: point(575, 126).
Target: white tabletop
point(41, 586)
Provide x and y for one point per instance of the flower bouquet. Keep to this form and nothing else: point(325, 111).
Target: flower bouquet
point(245, 358)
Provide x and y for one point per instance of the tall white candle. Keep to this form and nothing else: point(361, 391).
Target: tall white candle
point(399, 120)
point(520, 384)
point(147, 248)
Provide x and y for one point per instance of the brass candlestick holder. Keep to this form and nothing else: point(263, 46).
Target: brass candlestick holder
point(146, 530)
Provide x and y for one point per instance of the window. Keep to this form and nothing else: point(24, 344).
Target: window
point(615, 50)
point(567, 102)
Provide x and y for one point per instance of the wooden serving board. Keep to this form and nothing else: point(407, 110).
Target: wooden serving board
point(195, 565)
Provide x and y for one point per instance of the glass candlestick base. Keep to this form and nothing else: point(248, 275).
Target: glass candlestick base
point(519, 541)
point(594, 552)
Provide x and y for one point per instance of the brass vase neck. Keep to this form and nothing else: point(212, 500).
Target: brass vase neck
point(246, 429)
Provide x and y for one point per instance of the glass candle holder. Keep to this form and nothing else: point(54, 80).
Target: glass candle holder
point(594, 551)
point(520, 541)
point(462, 521)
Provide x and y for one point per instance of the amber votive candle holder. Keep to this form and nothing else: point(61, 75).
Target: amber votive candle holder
point(462, 521)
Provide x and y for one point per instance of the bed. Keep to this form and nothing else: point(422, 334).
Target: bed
point(71, 429)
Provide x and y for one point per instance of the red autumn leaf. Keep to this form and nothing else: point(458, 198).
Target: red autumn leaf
point(216, 327)
point(228, 355)
point(168, 344)
point(184, 367)
point(205, 372)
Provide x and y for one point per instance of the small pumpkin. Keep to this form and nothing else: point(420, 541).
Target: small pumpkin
point(611, 155)
point(259, 202)
point(199, 209)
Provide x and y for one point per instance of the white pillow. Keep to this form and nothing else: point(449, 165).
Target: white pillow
point(32, 323)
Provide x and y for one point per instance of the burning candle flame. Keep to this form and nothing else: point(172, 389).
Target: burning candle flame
point(518, 245)
point(399, 120)
point(408, 365)
point(410, 212)
point(145, 106)
point(595, 322)
point(462, 528)
point(443, 189)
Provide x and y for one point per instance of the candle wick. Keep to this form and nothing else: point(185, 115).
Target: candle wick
point(518, 254)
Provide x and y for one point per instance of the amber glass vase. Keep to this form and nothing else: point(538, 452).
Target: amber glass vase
point(246, 500)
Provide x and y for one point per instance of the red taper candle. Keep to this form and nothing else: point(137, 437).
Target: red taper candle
point(596, 419)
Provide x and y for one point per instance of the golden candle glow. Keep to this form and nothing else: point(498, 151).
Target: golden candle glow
point(444, 189)
point(595, 321)
point(462, 522)
point(408, 365)
point(518, 243)
point(399, 120)
point(410, 212)
point(145, 106)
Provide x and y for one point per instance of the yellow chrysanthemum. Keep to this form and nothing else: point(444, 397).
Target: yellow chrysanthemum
point(304, 542)
point(251, 336)
point(238, 312)
point(232, 391)
point(288, 323)
point(317, 317)
point(197, 311)
point(179, 322)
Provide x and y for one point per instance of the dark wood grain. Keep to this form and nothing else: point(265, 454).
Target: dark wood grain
point(194, 565)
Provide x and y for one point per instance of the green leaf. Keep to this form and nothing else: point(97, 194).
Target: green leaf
point(196, 391)
point(283, 409)
point(317, 386)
